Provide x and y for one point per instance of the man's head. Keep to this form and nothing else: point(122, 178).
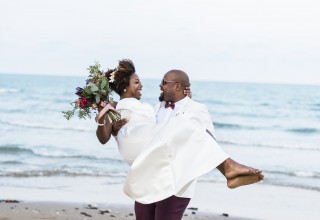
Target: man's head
point(173, 85)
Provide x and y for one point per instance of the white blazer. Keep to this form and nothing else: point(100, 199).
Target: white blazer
point(178, 154)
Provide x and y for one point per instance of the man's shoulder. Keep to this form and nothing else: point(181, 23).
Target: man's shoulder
point(195, 104)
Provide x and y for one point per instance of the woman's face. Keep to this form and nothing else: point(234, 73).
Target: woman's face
point(135, 87)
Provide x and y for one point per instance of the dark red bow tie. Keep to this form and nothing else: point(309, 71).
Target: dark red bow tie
point(169, 104)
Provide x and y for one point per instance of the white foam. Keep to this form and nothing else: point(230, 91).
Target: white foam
point(8, 90)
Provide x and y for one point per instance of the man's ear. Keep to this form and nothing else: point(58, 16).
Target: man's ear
point(178, 87)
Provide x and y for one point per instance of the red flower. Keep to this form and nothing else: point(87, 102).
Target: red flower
point(83, 103)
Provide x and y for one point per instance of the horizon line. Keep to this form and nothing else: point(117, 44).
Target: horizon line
point(197, 80)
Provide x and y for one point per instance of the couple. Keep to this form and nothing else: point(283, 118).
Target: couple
point(167, 147)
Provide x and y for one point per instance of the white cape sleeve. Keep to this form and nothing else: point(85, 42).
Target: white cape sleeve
point(179, 153)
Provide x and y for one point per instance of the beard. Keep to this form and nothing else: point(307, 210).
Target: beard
point(161, 97)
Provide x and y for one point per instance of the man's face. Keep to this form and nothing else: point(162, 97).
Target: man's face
point(167, 87)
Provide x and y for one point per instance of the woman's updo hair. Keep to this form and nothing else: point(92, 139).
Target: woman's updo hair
point(120, 76)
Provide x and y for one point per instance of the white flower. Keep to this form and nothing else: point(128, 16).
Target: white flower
point(112, 76)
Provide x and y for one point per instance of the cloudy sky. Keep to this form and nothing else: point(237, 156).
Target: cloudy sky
point(224, 40)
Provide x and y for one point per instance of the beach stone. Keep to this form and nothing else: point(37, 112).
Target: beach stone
point(102, 212)
point(85, 214)
point(92, 206)
point(225, 214)
point(9, 201)
point(192, 208)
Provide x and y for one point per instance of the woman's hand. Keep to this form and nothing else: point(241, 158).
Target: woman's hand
point(187, 92)
point(105, 128)
point(116, 126)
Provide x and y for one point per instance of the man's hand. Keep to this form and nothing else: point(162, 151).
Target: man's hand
point(116, 126)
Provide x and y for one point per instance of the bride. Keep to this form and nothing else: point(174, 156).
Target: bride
point(164, 158)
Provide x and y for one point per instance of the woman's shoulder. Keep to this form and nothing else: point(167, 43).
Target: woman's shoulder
point(127, 103)
point(135, 106)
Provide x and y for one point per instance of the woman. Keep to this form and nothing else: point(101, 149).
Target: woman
point(142, 141)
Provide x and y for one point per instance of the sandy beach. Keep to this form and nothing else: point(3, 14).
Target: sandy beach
point(212, 201)
point(74, 211)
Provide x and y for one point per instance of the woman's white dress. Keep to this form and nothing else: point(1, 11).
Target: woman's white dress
point(164, 157)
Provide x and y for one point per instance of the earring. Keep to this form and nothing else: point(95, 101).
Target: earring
point(125, 90)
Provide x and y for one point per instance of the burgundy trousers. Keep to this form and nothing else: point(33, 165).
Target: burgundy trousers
point(171, 208)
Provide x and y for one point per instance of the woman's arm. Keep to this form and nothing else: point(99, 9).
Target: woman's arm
point(104, 131)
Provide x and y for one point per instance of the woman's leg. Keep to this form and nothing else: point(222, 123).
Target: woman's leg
point(244, 180)
point(230, 169)
point(238, 174)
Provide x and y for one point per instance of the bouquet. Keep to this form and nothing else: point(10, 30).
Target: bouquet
point(96, 92)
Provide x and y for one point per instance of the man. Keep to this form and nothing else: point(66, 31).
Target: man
point(143, 178)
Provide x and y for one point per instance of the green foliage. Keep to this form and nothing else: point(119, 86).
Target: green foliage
point(93, 87)
point(96, 90)
point(103, 84)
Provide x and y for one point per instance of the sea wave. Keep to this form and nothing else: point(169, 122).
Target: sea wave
point(304, 130)
point(289, 147)
point(25, 124)
point(233, 126)
point(60, 172)
point(315, 105)
point(8, 90)
point(50, 152)
point(299, 173)
point(11, 162)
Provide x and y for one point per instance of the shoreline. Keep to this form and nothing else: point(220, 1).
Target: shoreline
point(211, 201)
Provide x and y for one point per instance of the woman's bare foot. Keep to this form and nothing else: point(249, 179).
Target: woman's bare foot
point(231, 169)
point(244, 180)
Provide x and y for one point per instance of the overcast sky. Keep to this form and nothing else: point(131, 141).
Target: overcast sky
point(226, 40)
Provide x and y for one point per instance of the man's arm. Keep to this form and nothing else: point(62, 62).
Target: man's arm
point(204, 115)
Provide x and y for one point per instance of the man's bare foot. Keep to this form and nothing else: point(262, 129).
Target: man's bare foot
point(244, 180)
point(231, 169)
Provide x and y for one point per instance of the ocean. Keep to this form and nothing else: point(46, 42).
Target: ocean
point(272, 127)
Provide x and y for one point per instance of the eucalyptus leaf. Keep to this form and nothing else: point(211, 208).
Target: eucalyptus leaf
point(103, 84)
point(93, 87)
point(87, 90)
point(97, 99)
point(91, 84)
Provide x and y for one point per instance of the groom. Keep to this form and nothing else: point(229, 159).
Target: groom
point(174, 102)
